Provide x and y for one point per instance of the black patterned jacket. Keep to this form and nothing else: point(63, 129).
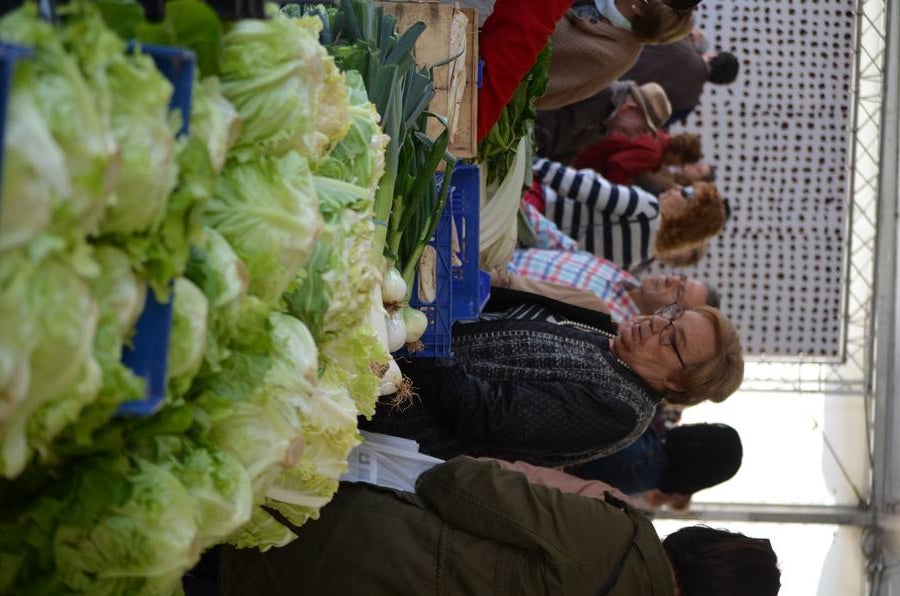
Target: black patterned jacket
point(549, 394)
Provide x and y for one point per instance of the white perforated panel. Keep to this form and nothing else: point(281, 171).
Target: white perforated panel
point(780, 136)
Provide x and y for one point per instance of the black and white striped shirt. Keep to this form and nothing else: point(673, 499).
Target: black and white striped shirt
point(617, 223)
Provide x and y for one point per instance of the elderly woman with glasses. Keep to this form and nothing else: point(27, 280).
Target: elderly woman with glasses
point(536, 386)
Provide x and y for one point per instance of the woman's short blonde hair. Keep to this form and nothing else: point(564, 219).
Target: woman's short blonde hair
point(718, 377)
point(660, 23)
point(703, 219)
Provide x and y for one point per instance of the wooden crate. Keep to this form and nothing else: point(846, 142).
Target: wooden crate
point(454, 84)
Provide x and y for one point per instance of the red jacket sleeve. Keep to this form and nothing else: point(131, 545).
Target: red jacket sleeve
point(510, 41)
point(620, 158)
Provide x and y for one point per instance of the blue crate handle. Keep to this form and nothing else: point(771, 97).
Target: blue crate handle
point(10, 53)
point(177, 64)
point(149, 356)
point(469, 291)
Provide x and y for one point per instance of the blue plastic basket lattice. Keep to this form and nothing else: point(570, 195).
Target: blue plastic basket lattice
point(436, 339)
point(471, 285)
point(148, 356)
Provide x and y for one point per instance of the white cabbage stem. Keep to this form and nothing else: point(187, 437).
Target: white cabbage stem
point(394, 288)
point(391, 380)
point(396, 331)
point(416, 323)
point(377, 316)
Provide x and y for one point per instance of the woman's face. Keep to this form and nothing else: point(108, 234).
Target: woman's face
point(672, 202)
point(697, 171)
point(656, 291)
point(651, 349)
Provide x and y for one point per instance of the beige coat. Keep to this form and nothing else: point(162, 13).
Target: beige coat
point(586, 57)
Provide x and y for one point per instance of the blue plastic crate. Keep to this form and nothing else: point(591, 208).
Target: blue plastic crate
point(177, 64)
point(471, 285)
point(9, 54)
point(436, 338)
point(148, 357)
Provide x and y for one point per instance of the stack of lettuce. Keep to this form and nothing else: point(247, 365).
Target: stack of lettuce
point(254, 220)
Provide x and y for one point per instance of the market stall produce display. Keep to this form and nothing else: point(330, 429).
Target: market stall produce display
point(266, 219)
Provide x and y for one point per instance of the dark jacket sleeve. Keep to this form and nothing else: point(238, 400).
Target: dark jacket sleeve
point(525, 416)
point(502, 505)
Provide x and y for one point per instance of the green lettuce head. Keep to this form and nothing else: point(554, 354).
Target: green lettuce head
point(267, 209)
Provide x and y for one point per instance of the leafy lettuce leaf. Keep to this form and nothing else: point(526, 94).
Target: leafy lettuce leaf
point(274, 71)
point(268, 211)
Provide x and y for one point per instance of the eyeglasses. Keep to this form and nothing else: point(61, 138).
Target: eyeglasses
point(668, 335)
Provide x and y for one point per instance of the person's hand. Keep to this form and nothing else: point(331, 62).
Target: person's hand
point(500, 277)
point(623, 497)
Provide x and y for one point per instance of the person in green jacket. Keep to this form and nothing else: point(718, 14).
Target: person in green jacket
point(488, 527)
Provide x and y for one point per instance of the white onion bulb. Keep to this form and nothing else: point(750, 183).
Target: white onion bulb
point(391, 379)
point(396, 331)
point(416, 323)
point(394, 288)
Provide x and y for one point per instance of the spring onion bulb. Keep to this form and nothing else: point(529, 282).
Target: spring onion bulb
point(416, 323)
point(391, 380)
point(394, 288)
point(396, 331)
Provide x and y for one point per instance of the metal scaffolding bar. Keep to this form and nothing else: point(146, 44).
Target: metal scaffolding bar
point(770, 513)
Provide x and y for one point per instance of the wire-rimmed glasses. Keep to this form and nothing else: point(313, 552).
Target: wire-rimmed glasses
point(668, 336)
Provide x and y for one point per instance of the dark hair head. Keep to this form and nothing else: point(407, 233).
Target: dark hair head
point(710, 562)
point(723, 68)
point(682, 4)
point(712, 297)
point(700, 456)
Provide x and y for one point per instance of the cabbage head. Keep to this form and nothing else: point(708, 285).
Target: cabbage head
point(273, 71)
point(187, 339)
point(267, 209)
point(63, 316)
point(214, 120)
point(35, 173)
point(358, 158)
point(129, 529)
point(76, 117)
point(252, 403)
point(146, 138)
point(218, 485)
point(109, 524)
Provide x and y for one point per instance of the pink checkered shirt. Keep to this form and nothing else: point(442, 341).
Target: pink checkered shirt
point(580, 269)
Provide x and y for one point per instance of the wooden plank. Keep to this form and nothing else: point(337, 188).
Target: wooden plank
point(464, 142)
point(454, 84)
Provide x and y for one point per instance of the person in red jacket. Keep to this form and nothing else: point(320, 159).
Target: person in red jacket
point(620, 158)
point(510, 41)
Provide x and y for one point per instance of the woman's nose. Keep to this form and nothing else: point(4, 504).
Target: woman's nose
point(656, 323)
